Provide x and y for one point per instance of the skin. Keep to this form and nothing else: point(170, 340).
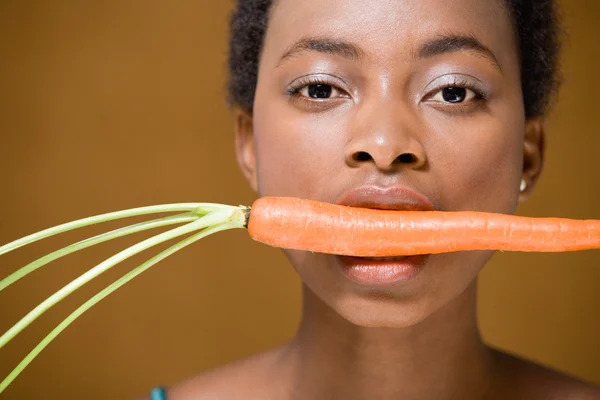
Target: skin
point(419, 339)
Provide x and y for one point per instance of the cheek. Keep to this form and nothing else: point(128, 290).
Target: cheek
point(296, 155)
point(483, 169)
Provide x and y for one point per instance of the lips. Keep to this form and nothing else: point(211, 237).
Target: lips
point(377, 272)
point(383, 271)
point(386, 259)
point(386, 198)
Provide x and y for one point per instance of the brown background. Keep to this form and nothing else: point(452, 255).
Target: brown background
point(114, 104)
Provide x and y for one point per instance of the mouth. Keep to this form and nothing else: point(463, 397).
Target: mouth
point(386, 198)
point(383, 259)
point(383, 271)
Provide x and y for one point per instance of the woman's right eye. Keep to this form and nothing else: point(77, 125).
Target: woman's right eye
point(320, 91)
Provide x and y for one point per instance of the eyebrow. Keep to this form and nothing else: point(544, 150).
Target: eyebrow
point(330, 46)
point(441, 45)
point(454, 43)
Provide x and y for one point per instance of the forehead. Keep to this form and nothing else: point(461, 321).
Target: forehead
point(384, 28)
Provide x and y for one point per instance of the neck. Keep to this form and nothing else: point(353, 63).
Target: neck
point(440, 358)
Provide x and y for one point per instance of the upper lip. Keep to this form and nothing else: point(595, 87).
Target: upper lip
point(386, 198)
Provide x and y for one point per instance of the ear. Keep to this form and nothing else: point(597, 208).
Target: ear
point(244, 145)
point(533, 154)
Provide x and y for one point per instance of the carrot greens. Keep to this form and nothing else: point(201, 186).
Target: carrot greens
point(299, 224)
point(199, 219)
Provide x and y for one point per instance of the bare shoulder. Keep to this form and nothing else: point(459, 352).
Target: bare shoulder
point(247, 378)
point(524, 379)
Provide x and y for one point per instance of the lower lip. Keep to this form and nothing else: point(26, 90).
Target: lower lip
point(388, 272)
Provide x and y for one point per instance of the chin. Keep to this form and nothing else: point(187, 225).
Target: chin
point(384, 312)
point(399, 305)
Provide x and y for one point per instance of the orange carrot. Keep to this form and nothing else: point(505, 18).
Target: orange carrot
point(303, 225)
point(328, 228)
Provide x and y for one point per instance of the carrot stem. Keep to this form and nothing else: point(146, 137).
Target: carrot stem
point(302, 225)
point(105, 292)
point(235, 215)
point(40, 262)
point(200, 208)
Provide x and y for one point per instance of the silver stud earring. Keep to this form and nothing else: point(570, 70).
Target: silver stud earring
point(523, 185)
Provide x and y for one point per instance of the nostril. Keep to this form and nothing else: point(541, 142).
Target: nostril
point(406, 158)
point(362, 156)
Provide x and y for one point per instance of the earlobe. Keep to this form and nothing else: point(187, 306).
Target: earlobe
point(533, 155)
point(244, 145)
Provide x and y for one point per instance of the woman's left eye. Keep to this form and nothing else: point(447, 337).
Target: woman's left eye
point(454, 94)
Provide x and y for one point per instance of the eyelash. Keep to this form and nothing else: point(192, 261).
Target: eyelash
point(293, 91)
point(480, 95)
point(295, 87)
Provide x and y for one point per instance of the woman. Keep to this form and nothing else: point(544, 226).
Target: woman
point(399, 104)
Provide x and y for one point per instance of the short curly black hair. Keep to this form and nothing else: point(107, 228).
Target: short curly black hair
point(536, 24)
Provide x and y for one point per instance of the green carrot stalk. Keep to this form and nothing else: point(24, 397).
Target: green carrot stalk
point(233, 215)
point(40, 262)
point(108, 290)
point(201, 209)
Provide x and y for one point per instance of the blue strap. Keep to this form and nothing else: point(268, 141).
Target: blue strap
point(159, 393)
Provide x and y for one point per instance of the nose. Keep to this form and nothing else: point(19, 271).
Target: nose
point(387, 141)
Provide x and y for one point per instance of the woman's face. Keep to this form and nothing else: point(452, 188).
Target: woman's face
point(423, 95)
